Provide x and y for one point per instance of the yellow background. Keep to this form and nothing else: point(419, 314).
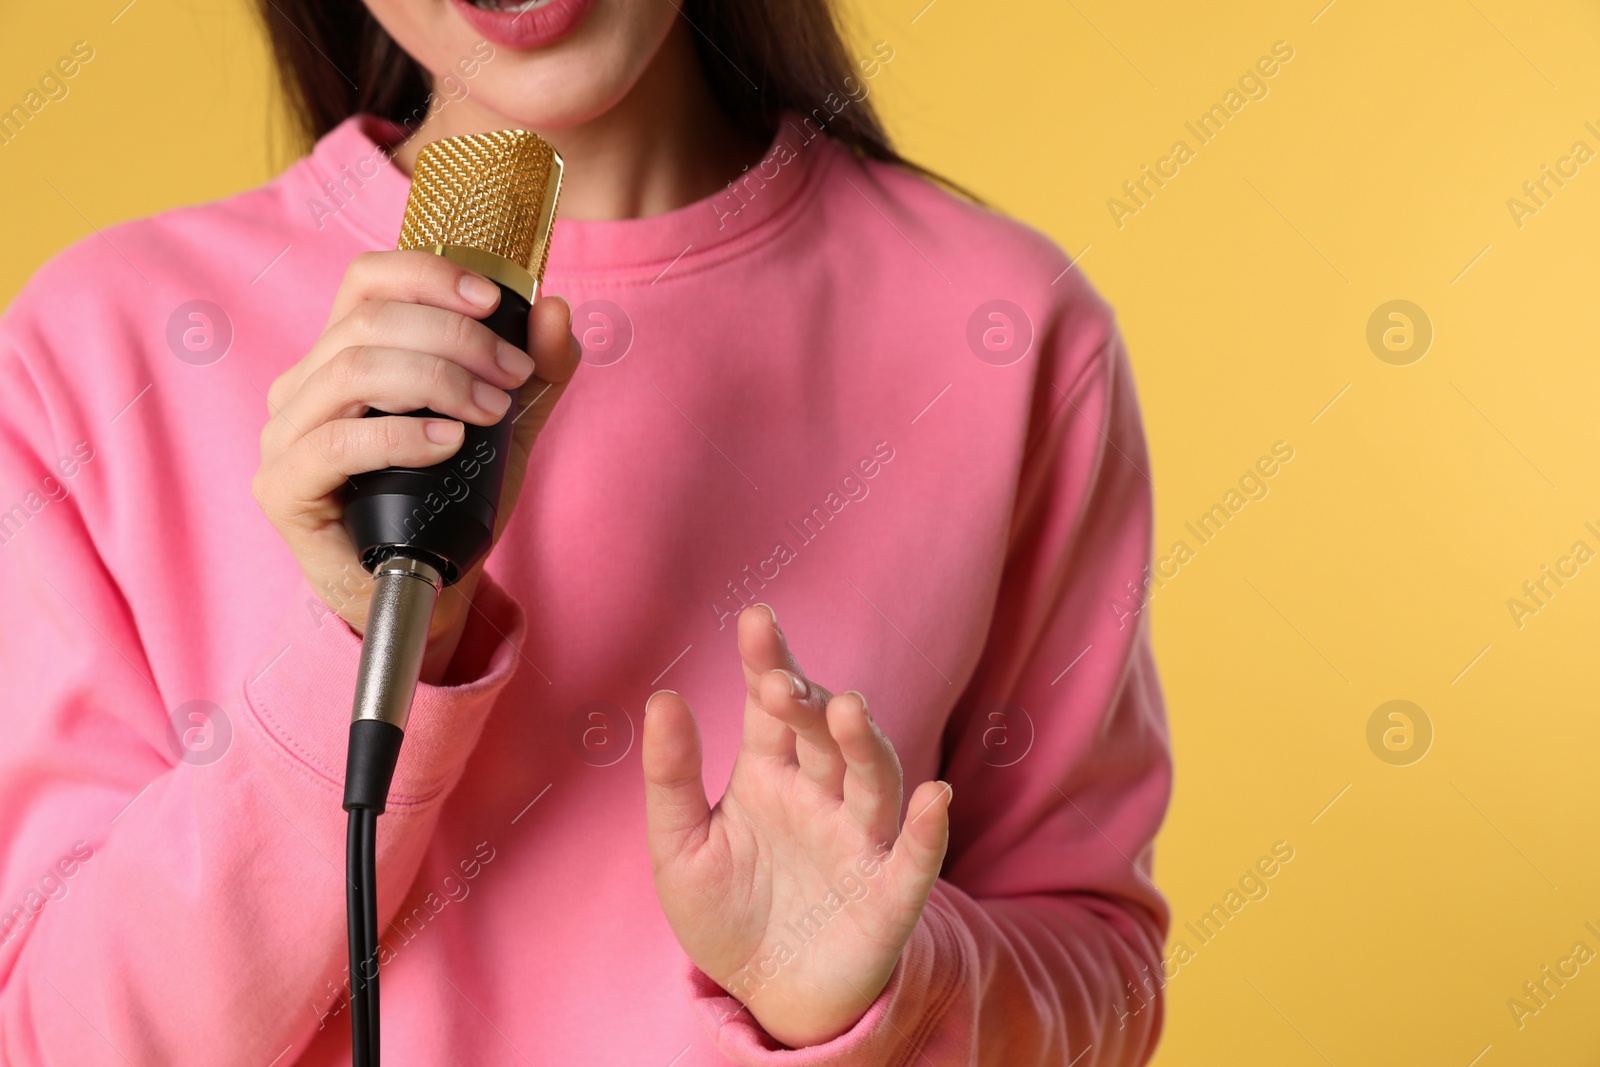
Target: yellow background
point(1379, 565)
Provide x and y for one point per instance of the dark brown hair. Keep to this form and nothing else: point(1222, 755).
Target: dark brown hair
point(761, 57)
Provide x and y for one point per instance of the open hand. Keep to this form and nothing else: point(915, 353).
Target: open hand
point(799, 890)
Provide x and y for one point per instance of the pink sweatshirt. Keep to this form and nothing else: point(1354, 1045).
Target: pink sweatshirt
point(901, 420)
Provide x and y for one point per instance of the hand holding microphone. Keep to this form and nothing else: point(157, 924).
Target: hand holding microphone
point(404, 333)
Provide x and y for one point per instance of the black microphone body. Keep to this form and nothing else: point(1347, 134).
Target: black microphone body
point(444, 514)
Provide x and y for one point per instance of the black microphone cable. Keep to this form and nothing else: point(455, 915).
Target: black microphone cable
point(361, 900)
point(403, 596)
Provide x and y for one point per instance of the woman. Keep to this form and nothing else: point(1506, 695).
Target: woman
point(818, 389)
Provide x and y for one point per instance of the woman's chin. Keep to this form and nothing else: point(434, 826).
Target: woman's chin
point(544, 97)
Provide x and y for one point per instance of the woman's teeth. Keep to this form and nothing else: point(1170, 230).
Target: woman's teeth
point(509, 5)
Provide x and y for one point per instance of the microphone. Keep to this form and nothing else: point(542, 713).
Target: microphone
point(485, 201)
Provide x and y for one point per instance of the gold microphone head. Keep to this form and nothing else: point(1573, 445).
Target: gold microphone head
point(486, 201)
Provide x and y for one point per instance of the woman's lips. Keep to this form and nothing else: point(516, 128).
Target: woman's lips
point(533, 28)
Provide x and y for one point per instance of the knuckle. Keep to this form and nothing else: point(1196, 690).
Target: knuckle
point(485, 341)
point(362, 266)
point(348, 367)
point(275, 395)
point(442, 378)
point(461, 332)
point(267, 490)
point(390, 433)
point(366, 316)
point(424, 270)
point(340, 442)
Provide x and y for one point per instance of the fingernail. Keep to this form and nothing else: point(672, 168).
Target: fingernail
point(568, 307)
point(513, 360)
point(797, 686)
point(773, 615)
point(949, 793)
point(478, 290)
point(651, 699)
point(859, 696)
point(494, 401)
point(443, 431)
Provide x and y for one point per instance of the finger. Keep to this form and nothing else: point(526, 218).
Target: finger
point(304, 475)
point(919, 850)
point(388, 379)
point(535, 403)
point(414, 277)
point(872, 778)
point(677, 814)
point(409, 277)
point(458, 338)
point(802, 706)
point(762, 648)
point(556, 355)
point(550, 341)
point(418, 328)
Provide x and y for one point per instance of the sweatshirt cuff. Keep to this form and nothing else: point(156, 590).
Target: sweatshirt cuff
point(301, 691)
point(931, 970)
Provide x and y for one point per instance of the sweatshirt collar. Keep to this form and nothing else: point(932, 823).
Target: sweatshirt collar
point(352, 182)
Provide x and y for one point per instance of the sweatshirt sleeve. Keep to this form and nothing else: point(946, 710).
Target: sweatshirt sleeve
point(159, 905)
point(1041, 942)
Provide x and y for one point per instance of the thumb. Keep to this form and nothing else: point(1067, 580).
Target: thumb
point(677, 815)
point(556, 355)
point(919, 852)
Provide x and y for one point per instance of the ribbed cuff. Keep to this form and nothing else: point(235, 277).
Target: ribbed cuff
point(301, 692)
point(920, 991)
